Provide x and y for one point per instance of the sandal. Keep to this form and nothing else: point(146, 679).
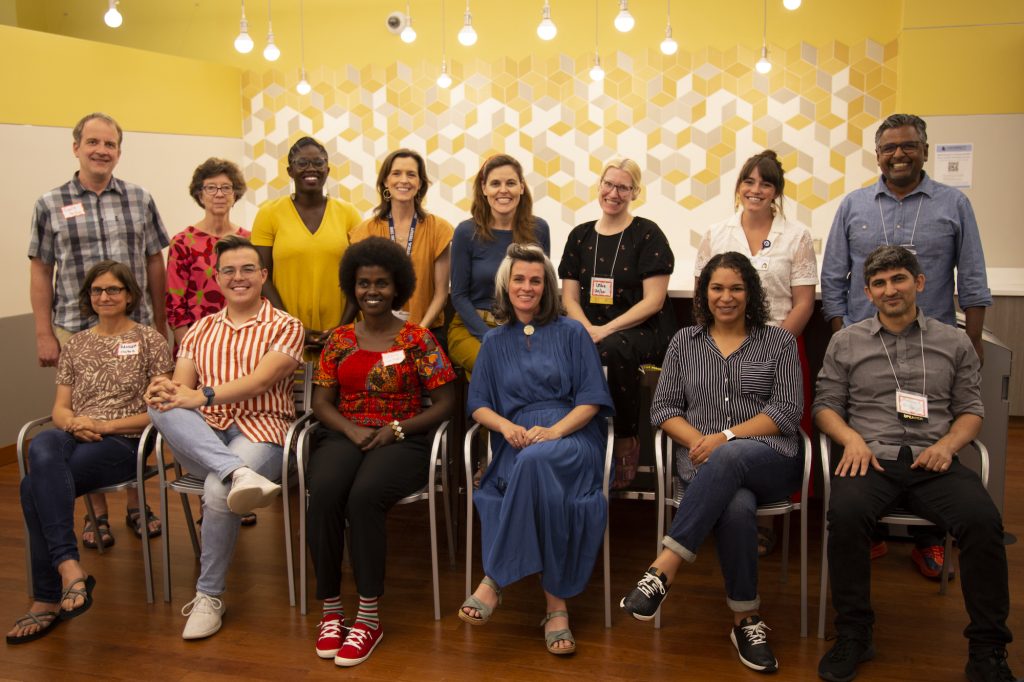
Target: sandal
point(766, 540)
point(105, 535)
point(71, 592)
point(46, 620)
point(555, 636)
point(133, 519)
point(473, 603)
point(249, 519)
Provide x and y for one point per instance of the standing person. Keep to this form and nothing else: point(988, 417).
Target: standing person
point(225, 414)
point(901, 393)
point(94, 217)
point(373, 445)
point(538, 388)
point(933, 221)
point(99, 413)
point(730, 398)
point(301, 239)
point(402, 184)
point(615, 273)
point(502, 213)
point(782, 252)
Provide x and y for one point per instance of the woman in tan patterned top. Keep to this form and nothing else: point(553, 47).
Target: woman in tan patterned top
point(99, 413)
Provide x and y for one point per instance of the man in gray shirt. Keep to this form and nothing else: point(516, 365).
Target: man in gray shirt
point(900, 392)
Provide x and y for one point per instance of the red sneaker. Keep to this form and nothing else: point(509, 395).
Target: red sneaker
point(929, 561)
point(359, 644)
point(879, 549)
point(332, 634)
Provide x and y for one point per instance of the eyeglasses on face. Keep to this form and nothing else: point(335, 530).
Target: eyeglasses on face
point(213, 190)
point(303, 163)
point(909, 148)
point(96, 292)
point(245, 270)
point(621, 190)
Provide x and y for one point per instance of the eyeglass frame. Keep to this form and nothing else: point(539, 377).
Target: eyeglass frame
point(621, 190)
point(96, 292)
point(213, 190)
point(302, 163)
point(247, 270)
point(909, 148)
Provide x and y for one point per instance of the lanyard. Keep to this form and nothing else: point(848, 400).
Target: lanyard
point(412, 232)
point(885, 236)
point(597, 239)
point(924, 373)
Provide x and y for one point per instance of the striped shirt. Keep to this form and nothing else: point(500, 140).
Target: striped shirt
point(74, 228)
point(713, 393)
point(223, 352)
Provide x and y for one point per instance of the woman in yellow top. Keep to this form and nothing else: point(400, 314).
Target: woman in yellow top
point(402, 183)
point(301, 239)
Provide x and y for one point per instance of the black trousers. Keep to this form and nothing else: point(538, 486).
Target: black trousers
point(955, 500)
point(347, 484)
point(622, 353)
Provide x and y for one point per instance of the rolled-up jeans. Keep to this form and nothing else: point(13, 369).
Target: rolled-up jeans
point(214, 454)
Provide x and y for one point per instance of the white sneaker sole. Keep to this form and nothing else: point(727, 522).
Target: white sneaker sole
point(749, 664)
point(244, 500)
point(640, 616)
point(349, 662)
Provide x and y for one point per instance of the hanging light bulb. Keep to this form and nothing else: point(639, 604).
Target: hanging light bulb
point(624, 21)
point(112, 18)
point(596, 72)
point(244, 42)
point(546, 29)
point(271, 52)
point(792, 4)
point(467, 34)
point(408, 33)
point(763, 65)
point(303, 87)
point(669, 46)
point(444, 80)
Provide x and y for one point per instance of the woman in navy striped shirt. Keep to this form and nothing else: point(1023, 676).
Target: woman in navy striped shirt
point(730, 397)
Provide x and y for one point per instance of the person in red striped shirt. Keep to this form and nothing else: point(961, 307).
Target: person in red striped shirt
point(225, 412)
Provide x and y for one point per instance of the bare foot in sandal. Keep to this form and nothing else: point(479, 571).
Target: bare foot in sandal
point(70, 572)
point(555, 623)
point(487, 597)
point(40, 618)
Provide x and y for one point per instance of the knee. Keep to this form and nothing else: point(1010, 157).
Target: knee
point(364, 497)
point(848, 511)
point(45, 449)
point(215, 494)
point(742, 508)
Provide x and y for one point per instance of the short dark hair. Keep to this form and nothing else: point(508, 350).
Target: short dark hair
point(233, 242)
point(119, 270)
point(756, 314)
point(301, 144)
point(76, 133)
point(383, 253)
point(768, 165)
point(550, 302)
point(902, 121)
point(382, 211)
point(211, 168)
point(889, 257)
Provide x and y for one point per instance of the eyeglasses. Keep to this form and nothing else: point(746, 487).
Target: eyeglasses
point(96, 292)
point(213, 190)
point(621, 190)
point(303, 163)
point(245, 270)
point(909, 148)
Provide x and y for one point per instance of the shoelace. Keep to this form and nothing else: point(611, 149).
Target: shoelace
point(202, 602)
point(843, 649)
point(330, 628)
point(650, 585)
point(358, 635)
point(755, 633)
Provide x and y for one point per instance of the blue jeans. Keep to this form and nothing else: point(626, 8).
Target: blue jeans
point(214, 454)
point(723, 497)
point(60, 468)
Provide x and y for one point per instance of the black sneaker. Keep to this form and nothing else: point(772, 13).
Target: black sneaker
point(839, 664)
point(643, 601)
point(989, 666)
point(751, 641)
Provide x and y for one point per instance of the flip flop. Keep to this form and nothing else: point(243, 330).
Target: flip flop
point(71, 591)
point(249, 519)
point(46, 620)
point(555, 636)
point(474, 603)
point(133, 519)
point(104, 534)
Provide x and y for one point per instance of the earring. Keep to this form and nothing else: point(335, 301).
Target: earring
point(386, 194)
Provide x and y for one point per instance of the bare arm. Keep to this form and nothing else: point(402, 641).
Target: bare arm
point(576, 419)
point(571, 302)
point(758, 425)
point(492, 421)
point(165, 394)
point(975, 318)
point(800, 313)
point(41, 296)
point(156, 282)
point(836, 323)
point(442, 270)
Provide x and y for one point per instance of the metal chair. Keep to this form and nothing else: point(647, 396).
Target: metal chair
point(897, 516)
point(667, 480)
point(468, 461)
point(143, 471)
point(438, 452)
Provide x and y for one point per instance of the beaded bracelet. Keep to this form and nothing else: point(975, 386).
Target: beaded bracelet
point(397, 429)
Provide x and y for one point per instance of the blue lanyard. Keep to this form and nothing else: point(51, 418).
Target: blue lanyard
point(412, 232)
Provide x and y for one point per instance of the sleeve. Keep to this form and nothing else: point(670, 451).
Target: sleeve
point(965, 397)
point(264, 227)
point(483, 381)
point(326, 372)
point(159, 360)
point(41, 242)
point(442, 231)
point(654, 255)
point(179, 283)
point(786, 404)
point(432, 365)
point(289, 339)
point(835, 268)
point(544, 236)
point(569, 267)
point(156, 233)
point(804, 270)
point(669, 398)
point(589, 384)
point(462, 277)
point(187, 347)
point(65, 365)
point(703, 254)
point(971, 277)
point(833, 388)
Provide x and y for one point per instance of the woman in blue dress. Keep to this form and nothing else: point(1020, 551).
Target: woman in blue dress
point(539, 389)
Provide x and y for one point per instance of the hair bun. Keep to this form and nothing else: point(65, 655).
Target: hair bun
point(770, 154)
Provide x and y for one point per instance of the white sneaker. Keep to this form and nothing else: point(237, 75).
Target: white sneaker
point(204, 616)
point(250, 491)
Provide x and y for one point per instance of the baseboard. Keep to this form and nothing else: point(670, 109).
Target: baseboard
point(8, 454)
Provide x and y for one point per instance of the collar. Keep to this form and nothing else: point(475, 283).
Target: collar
point(875, 325)
point(115, 185)
point(265, 315)
point(755, 332)
point(926, 187)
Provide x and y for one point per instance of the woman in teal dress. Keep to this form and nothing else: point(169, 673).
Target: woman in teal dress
point(538, 387)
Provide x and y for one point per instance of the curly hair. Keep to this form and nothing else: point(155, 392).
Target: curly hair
point(384, 208)
point(211, 168)
point(550, 301)
point(523, 231)
point(383, 253)
point(119, 270)
point(756, 314)
point(768, 165)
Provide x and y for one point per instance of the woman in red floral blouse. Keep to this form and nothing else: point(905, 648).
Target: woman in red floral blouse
point(373, 443)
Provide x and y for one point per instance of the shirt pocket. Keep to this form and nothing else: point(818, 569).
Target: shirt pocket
point(757, 378)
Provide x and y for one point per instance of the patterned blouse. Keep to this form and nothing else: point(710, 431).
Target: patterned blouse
point(192, 290)
point(375, 387)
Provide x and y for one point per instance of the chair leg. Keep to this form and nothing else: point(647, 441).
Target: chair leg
point(431, 503)
point(288, 538)
point(785, 548)
point(607, 577)
point(191, 524)
point(823, 589)
point(303, 552)
point(92, 519)
point(147, 558)
point(946, 564)
point(446, 500)
point(803, 567)
point(165, 541)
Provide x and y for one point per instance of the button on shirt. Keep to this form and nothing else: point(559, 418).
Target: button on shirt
point(120, 223)
point(946, 238)
point(857, 383)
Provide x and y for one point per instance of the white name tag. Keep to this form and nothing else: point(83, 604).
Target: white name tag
point(912, 406)
point(602, 290)
point(128, 349)
point(72, 210)
point(392, 358)
point(403, 315)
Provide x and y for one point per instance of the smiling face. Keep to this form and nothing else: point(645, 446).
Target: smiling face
point(241, 277)
point(615, 192)
point(901, 156)
point(755, 193)
point(309, 169)
point(727, 296)
point(404, 180)
point(220, 203)
point(375, 290)
point(108, 306)
point(99, 151)
point(525, 288)
point(503, 188)
point(894, 293)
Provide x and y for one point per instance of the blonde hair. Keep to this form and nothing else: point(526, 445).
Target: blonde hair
point(629, 166)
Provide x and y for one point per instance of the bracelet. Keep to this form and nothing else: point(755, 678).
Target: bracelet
point(396, 428)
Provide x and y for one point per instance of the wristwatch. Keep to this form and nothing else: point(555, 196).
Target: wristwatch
point(208, 392)
point(729, 435)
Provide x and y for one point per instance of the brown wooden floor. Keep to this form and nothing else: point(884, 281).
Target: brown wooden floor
point(917, 635)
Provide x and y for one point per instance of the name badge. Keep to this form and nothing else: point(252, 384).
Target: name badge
point(760, 263)
point(403, 315)
point(126, 349)
point(392, 358)
point(601, 290)
point(910, 247)
point(72, 210)
point(912, 407)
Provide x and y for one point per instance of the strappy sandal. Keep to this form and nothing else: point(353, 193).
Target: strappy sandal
point(71, 592)
point(104, 534)
point(46, 620)
point(133, 519)
point(473, 603)
point(555, 636)
point(766, 540)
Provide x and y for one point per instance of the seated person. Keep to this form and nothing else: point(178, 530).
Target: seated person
point(539, 389)
point(372, 447)
point(730, 397)
point(226, 412)
point(900, 432)
point(99, 413)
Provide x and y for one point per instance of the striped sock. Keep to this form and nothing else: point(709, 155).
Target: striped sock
point(332, 606)
point(368, 612)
